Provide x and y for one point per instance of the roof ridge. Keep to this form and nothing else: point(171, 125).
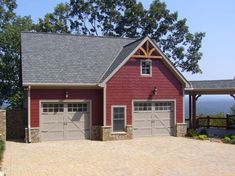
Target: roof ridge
point(81, 35)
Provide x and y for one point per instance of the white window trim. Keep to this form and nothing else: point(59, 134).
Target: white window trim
point(142, 74)
point(118, 106)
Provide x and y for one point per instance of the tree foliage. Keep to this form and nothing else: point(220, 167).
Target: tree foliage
point(121, 18)
point(129, 19)
point(11, 25)
point(56, 22)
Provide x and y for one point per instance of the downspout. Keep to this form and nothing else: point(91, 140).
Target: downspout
point(104, 105)
point(104, 102)
point(29, 119)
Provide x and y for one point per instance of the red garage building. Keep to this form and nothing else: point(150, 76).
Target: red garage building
point(102, 88)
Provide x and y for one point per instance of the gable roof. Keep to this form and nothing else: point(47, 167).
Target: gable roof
point(125, 52)
point(67, 59)
point(62, 59)
point(130, 49)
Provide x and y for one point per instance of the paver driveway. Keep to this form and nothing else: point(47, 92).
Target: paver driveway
point(146, 156)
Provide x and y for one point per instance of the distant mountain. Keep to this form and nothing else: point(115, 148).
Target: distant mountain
point(211, 105)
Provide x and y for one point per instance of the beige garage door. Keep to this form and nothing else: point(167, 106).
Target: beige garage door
point(64, 121)
point(153, 118)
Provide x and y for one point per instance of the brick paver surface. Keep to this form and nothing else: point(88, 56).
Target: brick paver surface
point(153, 156)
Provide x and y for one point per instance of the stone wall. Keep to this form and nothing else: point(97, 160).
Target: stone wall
point(16, 121)
point(180, 129)
point(2, 125)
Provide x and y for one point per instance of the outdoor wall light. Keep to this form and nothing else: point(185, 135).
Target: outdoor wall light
point(155, 91)
point(66, 94)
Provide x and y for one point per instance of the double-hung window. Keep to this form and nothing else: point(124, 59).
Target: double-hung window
point(119, 116)
point(146, 67)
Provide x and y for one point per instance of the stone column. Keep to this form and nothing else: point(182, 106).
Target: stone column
point(3, 125)
point(181, 129)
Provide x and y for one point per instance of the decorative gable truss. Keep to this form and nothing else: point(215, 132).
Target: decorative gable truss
point(147, 51)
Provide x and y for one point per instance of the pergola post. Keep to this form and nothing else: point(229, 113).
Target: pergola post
point(194, 111)
point(190, 111)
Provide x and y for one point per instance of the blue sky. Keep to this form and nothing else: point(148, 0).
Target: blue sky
point(216, 18)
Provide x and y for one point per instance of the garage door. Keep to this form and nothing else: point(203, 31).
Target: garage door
point(153, 118)
point(64, 121)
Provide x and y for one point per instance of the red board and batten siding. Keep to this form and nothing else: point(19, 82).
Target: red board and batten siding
point(95, 95)
point(127, 85)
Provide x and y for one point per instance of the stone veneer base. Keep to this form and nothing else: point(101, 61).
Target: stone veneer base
point(32, 135)
point(104, 133)
point(181, 129)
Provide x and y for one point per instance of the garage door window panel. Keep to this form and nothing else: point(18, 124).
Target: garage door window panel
point(77, 107)
point(52, 108)
point(163, 106)
point(118, 119)
point(141, 106)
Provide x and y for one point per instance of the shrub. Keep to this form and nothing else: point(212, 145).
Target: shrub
point(226, 139)
point(232, 137)
point(2, 148)
point(202, 137)
point(232, 141)
point(191, 133)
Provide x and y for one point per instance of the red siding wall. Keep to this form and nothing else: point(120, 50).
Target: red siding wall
point(48, 94)
point(127, 84)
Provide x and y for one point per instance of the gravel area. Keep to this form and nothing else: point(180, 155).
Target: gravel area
point(168, 156)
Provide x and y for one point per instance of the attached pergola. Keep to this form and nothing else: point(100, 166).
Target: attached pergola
point(207, 87)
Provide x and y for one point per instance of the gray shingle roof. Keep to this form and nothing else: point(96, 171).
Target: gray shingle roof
point(126, 51)
point(60, 58)
point(213, 84)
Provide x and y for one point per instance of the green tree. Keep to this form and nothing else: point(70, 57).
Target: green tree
point(10, 87)
point(129, 19)
point(56, 22)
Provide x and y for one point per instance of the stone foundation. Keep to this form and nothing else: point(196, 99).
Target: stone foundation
point(32, 135)
point(108, 135)
point(3, 125)
point(180, 129)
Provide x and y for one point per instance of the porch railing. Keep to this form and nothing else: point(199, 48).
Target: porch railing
point(227, 122)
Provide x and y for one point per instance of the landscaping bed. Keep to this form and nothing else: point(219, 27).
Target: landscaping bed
point(202, 135)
